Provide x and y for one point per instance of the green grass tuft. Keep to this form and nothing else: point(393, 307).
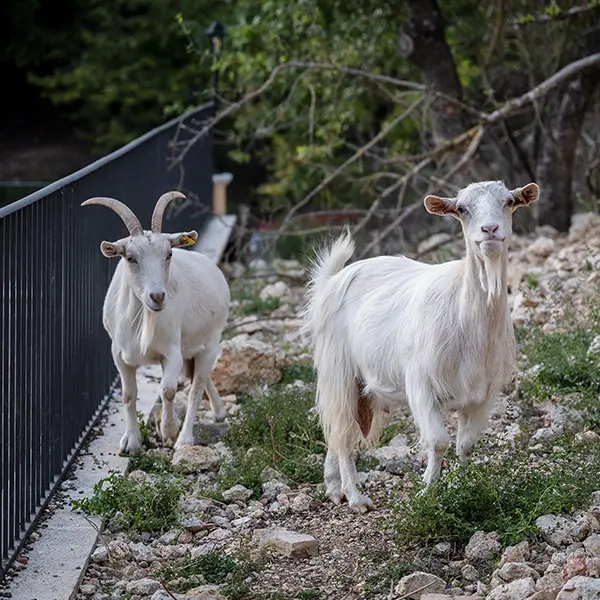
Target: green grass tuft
point(213, 567)
point(277, 429)
point(506, 495)
point(141, 507)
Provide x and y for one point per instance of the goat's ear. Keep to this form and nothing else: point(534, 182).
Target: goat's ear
point(178, 240)
point(524, 196)
point(113, 249)
point(440, 206)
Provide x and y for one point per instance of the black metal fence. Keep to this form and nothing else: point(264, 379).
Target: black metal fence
point(56, 370)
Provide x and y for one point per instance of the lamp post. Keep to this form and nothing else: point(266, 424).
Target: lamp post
point(216, 32)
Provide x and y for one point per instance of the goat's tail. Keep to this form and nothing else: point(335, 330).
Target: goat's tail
point(327, 263)
point(330, 261)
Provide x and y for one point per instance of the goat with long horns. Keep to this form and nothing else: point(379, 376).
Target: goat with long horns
point(164, 306)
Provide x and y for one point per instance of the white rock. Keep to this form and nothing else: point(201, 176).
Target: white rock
point(542, 247)
point(482, 546)
point(272, 489)
point(279, 289)
point(418, 584)
point(242, 522)
point(512, 571)
point(141, 552)
point(100, 554)
point(143, 587)
point(470, 573)
point(237, 492)
point(515, 590)
point(550, 581)
point(288, 543)
point(219, 535)
point(88, 589)
point(442, 548)
point(556, 530)
point(580, 588)
point(592, 545)
point(519, 553)
point(192, 459)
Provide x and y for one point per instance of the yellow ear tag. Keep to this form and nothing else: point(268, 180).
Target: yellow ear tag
point(521, 198)
point(187, 240)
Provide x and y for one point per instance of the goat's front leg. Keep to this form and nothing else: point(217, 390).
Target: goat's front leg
point(472, 420)
point(202, 367)
point(131, 440)
point(426, 411)
point(171, 367)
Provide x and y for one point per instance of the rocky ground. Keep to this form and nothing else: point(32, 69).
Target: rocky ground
point(281, 539)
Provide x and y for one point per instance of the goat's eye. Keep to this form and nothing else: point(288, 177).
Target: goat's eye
point(130, 259)
point(461, 210)
point(169, 255)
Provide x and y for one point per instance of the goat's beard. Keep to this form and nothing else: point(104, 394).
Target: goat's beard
point(148, 325)
point(493, 269)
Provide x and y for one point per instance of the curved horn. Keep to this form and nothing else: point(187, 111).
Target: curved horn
point(131, 221)
point(159, 209)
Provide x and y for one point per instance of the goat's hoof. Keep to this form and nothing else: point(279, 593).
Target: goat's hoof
point(168, 431)
point(361, 504)
point(219, 417)
point(183, 441)
point(336, 497)
point(130, 443)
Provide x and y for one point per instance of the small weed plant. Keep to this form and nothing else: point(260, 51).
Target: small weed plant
point(559, 366)
point(275, 428)
point(506, 495)
point(213, 567)
point(149, 506)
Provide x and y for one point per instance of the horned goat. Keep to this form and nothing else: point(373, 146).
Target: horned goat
point(388, 328)
point(164, 306)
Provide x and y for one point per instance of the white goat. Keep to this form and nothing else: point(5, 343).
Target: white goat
point(164, 305)
point(389, 328)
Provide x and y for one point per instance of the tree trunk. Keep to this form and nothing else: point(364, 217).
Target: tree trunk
point(557, 150)
point(431, 54)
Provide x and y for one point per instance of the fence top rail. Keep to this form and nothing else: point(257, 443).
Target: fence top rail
point(69, 179)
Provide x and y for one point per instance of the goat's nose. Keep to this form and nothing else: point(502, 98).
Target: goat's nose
point(158, 297)
point(491, 229)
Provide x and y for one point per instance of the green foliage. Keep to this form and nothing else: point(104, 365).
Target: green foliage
point(384, 571)
point(309, 594)
point(391, 431)
point(275, 428)
point(143, 427)
point(293, 371)
point(150, 463)
point(213, 567)
point(247, 295)
point(506, 494)
point(149, 506)
point(559, 362)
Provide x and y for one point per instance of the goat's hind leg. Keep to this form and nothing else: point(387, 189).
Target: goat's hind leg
point(131, 441)
point(472, 420)
point(333, 478)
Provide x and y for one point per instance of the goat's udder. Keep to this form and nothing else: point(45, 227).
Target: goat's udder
point(364, 412)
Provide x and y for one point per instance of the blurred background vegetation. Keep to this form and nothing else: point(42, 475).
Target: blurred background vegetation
point(82, 77)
